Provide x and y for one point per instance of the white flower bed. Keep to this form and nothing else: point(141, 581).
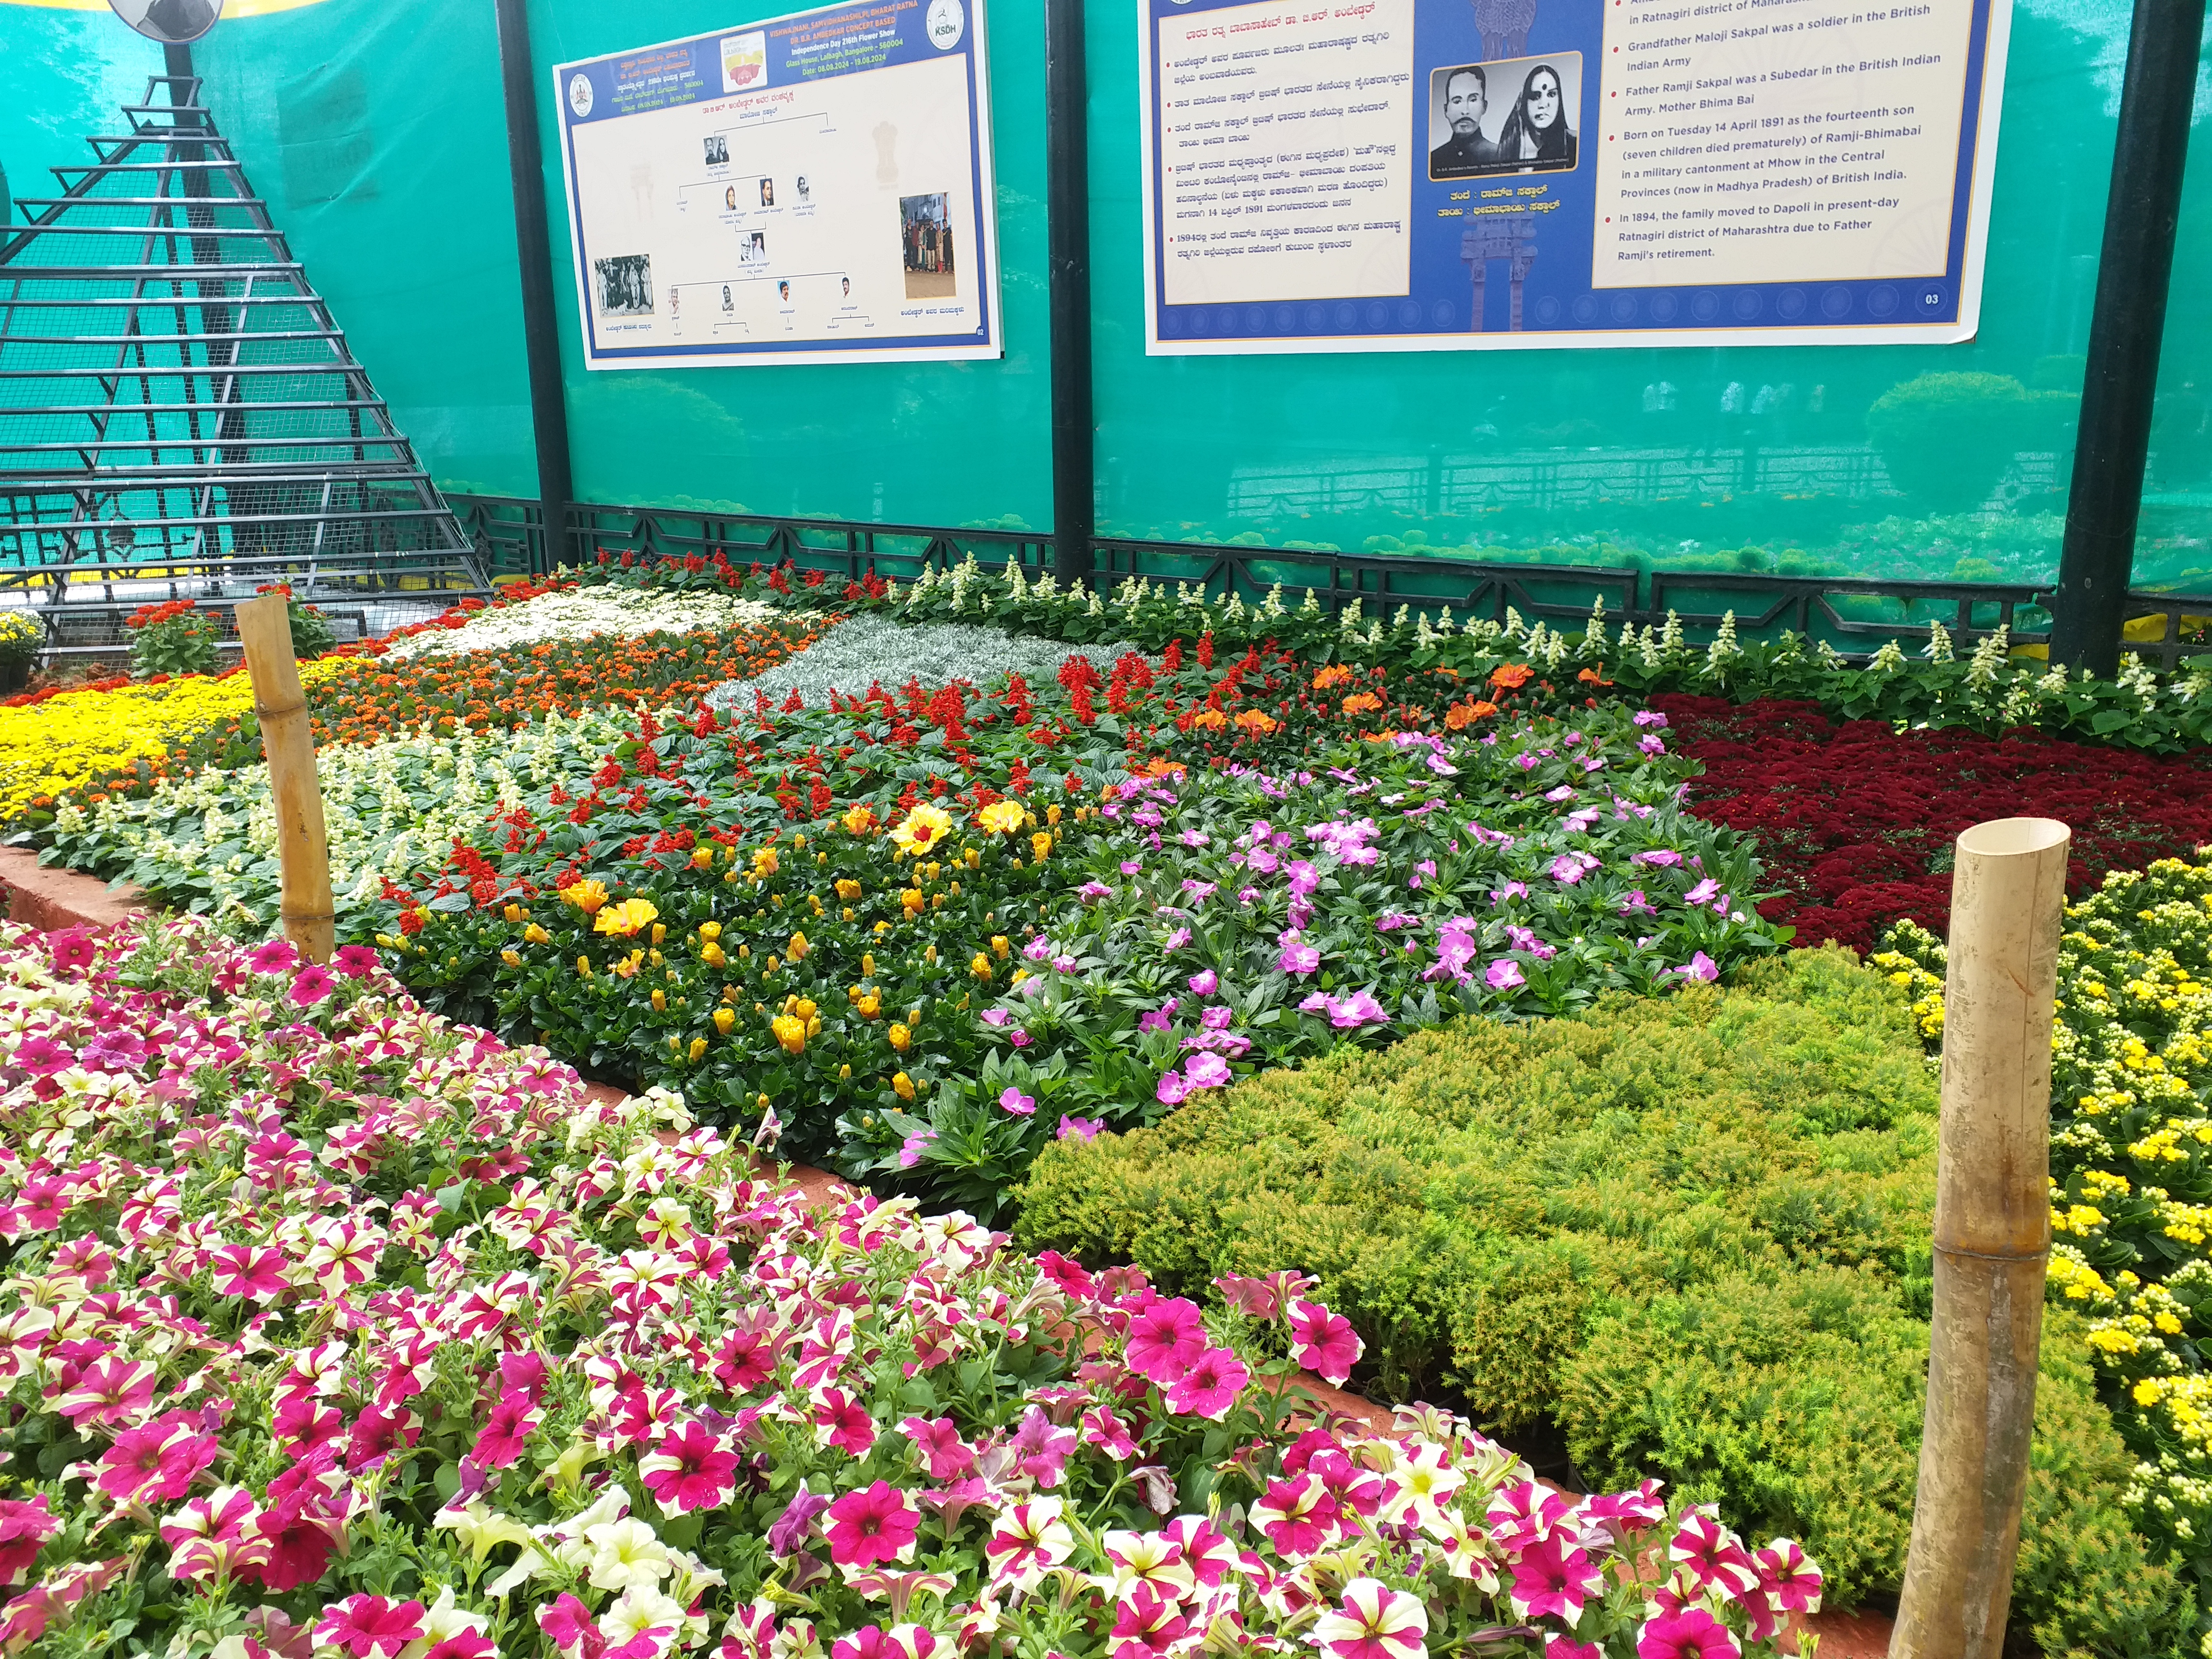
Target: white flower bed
point(583, 613)
point(208, 842)
point(867, 648)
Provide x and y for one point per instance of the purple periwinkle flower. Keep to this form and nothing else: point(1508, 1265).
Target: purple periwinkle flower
point(1649, 717)
point(913, 1146)
point(1020, 1039)
point(1093, 891)
point(1652, 743)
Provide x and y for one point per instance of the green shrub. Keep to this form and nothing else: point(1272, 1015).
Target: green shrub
point(1693, 1231)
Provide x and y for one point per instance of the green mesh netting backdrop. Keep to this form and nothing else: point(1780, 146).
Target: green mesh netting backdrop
point(374, 128)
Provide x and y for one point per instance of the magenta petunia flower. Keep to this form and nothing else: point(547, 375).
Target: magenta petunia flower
point(311, 985)
point(276, 956)
point(689, 1469)
point(1011, 1099)
point(505, 1429)
point(1324, 1342)
point(1210, 1386)
point(1552, 1579)
point(1374, 1622)
point(370, 1626)
point(875, 1524)
point(355, 960)
point(1164, 1339)
point(1693, 1633)
point(1503, 974)
point(24, 1529)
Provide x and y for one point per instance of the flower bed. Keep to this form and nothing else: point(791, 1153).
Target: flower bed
point(208, 842)
point(602, 1390)
point(873, 649)
point(1856, 819)
point(533, 617)
point(2131, 1168)
point(83, 742)
point(823, 909)
point(1691, 1232)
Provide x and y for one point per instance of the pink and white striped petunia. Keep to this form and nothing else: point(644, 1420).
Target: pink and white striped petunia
point(1374, 1622)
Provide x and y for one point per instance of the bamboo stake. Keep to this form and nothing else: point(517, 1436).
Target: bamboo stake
point(265, 629)
point(1992, 1238)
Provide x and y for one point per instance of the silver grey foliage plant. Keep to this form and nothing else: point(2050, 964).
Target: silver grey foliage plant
point(873, 648)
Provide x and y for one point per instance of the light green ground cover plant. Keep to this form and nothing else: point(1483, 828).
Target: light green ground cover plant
point(1691, 1231)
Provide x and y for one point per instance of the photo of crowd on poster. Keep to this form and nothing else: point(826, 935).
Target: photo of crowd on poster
point(925, 229)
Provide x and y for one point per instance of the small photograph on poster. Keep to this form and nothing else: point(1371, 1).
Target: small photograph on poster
point(768, 192)
point(926, 223)
point(730, 198)
point(1517, 115)
point(718, 150)
point(745, 60)
point(752, 249)
point(623, 285)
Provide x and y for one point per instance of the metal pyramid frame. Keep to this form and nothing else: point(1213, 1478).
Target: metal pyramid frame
point(180, 414)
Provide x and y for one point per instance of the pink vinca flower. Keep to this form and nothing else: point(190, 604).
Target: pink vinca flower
point(875, 1524)
point(1324, 1342)
point(1374, 1622)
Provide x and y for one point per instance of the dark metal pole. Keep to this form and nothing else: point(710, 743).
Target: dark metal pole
point(1067, 263)
point(2125, 331)
point(525, 160)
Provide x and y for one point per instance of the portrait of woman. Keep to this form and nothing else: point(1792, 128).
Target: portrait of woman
point(730, 198)
point(1537, 137)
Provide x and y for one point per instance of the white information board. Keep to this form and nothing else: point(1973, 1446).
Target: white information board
point(808, 189)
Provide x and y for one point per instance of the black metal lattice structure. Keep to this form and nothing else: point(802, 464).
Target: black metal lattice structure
point(180, 414)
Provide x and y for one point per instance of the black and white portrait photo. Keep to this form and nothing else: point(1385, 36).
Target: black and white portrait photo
point(622, 285)
point(718, 150)
point(806, 192)
point(1520, 115)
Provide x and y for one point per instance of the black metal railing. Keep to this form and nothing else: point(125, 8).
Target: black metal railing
point(1853, 615)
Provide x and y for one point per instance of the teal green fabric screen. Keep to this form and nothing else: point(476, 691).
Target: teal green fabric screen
point(375, 130)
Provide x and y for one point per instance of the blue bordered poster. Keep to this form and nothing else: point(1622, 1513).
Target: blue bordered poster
point(1363, 175)
point(808, 189)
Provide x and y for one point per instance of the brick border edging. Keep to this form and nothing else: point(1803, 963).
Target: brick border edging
point(40, 895)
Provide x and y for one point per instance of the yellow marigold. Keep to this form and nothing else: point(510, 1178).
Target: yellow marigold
point(1002, 818)
point(586, 895)
point(790, 1032)
point(632, 916)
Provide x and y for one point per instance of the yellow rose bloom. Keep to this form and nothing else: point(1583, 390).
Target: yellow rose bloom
point(702, 858)
point(911, 898)
point(710, 931)
point(870, 1005)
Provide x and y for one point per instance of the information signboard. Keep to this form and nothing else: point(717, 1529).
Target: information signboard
point(1362, 175)
point(814, 188)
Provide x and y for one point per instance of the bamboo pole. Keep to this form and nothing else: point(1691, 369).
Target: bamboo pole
point(1992, 1238)
point(265, 629)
